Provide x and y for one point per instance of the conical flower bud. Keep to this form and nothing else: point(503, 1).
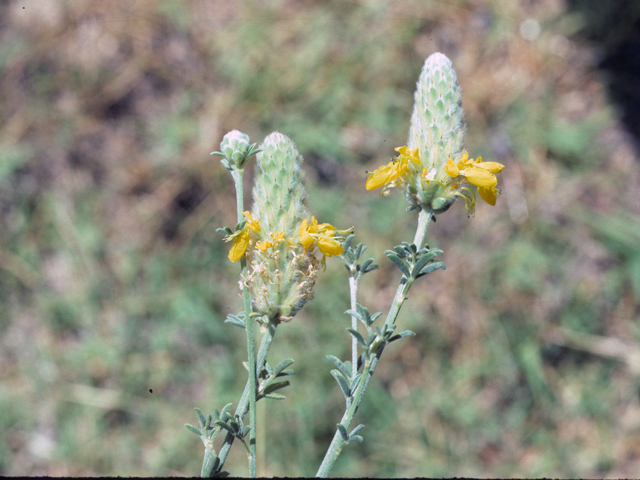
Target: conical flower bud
point(433, 168)
point(437, 128)
point(282, 271)
point(280, 200)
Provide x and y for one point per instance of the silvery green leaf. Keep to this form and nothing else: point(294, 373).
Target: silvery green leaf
point(374, 317)
point(347, 242)
point(406, 333)
point(356, 430)
point(343, 432)
point(354, 313)
point(431, 267)
point(235, 320)
point(357, 336)
point(346, 371)
point(363, 311)
point(342, 382)
point(193, 429)
point(200, 417)
point(225, 411)
point(422, 261)
point(222, 424)
point(400, 264)
point(350, 256)
point(275, 396)
point(368, 266)
point(272, 387)
point(224, 230)
point(226, 164)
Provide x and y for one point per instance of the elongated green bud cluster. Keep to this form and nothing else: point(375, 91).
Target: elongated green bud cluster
point(282, 272)
point(437, 128)
point(280, 199)
point(437, 131)
point(433, 167)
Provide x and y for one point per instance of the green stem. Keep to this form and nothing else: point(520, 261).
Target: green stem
point(353, 289)
point(337, 444)
point(423, 223)
point(251, 356)
point(243, 404)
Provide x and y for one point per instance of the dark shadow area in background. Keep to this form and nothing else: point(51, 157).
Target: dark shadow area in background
point(615, 27)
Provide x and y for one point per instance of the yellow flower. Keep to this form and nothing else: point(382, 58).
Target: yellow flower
point(242, 237)
point(383, 175)
point(305, 233)
point(412, 155)
point(478, 173)
point(275, 240)
point(488, 194)
point(397, 167)
point(322, 235)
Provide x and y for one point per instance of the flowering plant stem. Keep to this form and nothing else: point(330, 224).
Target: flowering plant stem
point(353, 290)
point(338, 442)
point(251, 357)
point(244, 403)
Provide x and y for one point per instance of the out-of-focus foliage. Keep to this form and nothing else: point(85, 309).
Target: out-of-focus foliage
point(114, 284)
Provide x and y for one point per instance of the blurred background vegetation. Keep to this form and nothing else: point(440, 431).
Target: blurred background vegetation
point(114, 283)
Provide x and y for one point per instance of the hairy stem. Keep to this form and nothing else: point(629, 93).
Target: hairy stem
point(251, 356)
point(353, 289)
point(243, 404)
point(338, 443)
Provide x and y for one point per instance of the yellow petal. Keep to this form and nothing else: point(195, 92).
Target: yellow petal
point(239, 246)
point(326, 228)
point(251, 223)
point(488, 194)
point(415, 157)
point(493, 167)
point(380, 176)
point(263, 246)
point(451, 169)
point(479, 177)
point(305, 239)
point(412, 155)
point(464, 162)
point(329, 246)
